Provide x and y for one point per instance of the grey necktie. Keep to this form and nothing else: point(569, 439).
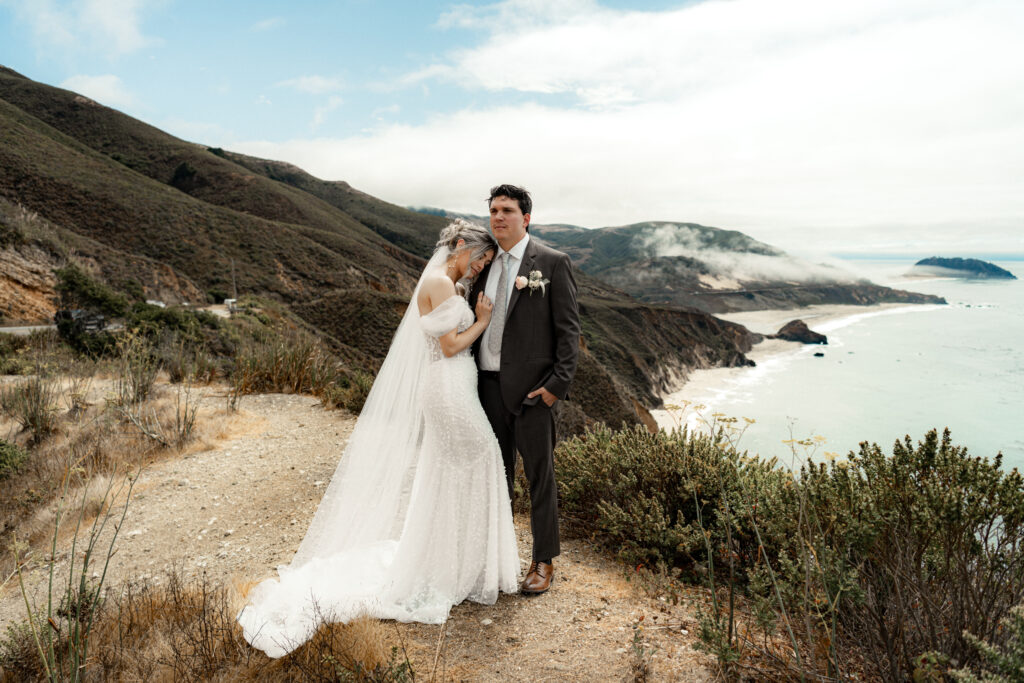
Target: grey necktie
point(500, 304)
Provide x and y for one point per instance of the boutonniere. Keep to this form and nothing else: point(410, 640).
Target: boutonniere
point(535, 281)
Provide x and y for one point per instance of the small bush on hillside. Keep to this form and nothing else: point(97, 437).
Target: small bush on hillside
point(32, 404)
point(19, 656)
point(12, 355)
point(137, 370)
point(79, 290)
point(12, 458)
point(1001, 664)
point(186, 323)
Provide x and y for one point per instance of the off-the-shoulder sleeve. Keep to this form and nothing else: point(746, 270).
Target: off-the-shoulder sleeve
point(445, 317)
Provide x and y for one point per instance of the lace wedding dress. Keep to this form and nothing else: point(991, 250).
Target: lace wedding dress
point(417, 517)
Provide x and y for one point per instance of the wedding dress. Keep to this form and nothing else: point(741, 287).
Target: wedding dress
point(417, 516)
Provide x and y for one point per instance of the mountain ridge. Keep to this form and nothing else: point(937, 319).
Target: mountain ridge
point(689, 265)
point(127, 193)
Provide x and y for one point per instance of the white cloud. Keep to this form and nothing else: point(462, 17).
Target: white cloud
point(111, 26)
point(771, 117)
point(313, 85)
point(321, 112)
point(108, 89)
point(267, 24)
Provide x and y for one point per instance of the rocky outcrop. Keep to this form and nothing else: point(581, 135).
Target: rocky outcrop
point(797, 331)
point(28, 287)
point(960, 267)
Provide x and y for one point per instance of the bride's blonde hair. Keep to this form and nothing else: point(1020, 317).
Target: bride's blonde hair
point(475, 237)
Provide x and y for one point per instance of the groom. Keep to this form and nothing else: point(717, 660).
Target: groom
point(527, 358)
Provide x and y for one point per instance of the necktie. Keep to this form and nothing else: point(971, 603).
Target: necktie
point(500, 304)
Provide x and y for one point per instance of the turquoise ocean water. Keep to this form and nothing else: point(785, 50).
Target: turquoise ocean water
point(892, 372)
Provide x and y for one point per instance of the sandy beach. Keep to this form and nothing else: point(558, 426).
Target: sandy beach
point(707, 387)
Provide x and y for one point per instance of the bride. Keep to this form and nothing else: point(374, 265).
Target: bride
point(417, 516)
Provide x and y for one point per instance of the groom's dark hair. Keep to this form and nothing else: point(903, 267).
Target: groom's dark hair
point(515, 192)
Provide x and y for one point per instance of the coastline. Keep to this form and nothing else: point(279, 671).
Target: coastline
point(712, 385)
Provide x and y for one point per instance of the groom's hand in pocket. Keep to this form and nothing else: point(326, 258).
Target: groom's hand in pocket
point(545, 395)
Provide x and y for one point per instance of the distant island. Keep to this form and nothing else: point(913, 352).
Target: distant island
point(960, 267)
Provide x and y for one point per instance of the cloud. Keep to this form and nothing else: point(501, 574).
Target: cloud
point(321, 112)
point(111, 26)
point(738, 263)
point(107, 89)
point(313, 85)
point(783, 119)
point(267, 24)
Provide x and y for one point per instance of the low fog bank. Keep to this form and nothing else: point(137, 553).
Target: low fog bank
point(735, 256)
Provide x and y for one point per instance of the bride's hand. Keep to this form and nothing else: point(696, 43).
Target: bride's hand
point(484, 308)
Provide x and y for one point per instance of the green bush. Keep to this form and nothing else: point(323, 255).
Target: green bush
point(12, 355)
point(78, 290)
point(893, 556)
point(1001, 664)
point(11, 459)
point(640, 493)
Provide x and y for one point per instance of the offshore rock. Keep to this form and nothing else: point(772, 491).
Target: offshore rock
point(797, 331)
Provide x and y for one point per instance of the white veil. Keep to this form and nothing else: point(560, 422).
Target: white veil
point(368, 496)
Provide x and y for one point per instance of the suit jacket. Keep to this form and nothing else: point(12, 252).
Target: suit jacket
point(540, 342)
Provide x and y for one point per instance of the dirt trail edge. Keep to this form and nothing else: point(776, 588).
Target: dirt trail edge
point(240, 509)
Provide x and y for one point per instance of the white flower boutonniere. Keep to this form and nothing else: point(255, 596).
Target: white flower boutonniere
point(537, 281)
point(521, 281)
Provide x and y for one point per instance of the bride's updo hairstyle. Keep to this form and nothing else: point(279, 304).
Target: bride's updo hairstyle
point(476, 238)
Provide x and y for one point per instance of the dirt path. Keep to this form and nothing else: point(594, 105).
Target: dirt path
point(239, 509)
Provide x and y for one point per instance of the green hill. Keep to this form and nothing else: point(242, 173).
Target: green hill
point(715, 270)
point(164, 218)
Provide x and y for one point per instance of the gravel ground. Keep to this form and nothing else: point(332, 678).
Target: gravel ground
point(238, 507)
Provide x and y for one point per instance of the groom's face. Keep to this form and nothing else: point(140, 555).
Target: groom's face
point(508, 222)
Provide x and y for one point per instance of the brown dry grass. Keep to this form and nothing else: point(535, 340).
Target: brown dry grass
point(90, 445)
point(186, 631)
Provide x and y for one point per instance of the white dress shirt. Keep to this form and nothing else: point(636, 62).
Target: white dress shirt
point(488, 360)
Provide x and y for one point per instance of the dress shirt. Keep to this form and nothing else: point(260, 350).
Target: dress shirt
point(488, 360)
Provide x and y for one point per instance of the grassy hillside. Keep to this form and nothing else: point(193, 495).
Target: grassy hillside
point(140, 201)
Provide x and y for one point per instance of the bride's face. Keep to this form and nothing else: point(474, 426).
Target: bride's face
point(472, 268)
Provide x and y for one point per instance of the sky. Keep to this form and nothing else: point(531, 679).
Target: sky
point(818, 126)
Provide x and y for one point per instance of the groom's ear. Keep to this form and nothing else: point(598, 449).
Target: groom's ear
point(526, 221)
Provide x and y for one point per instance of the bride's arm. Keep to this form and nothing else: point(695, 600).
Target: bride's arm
point(440, 290)
point(454, 342)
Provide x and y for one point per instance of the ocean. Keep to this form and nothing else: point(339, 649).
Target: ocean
point(886, 372)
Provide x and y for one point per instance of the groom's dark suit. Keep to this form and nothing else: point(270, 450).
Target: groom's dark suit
point(539, 347)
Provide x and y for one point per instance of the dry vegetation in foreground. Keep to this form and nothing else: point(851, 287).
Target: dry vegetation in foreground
point(77, 433)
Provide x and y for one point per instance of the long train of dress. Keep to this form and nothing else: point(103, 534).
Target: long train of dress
point(457, 541)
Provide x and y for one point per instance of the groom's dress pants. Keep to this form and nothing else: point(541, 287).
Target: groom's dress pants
point(532, 433)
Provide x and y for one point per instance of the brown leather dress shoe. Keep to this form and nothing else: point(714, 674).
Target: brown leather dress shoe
point(538, 579)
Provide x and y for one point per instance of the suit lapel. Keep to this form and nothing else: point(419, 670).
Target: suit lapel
point(524, 271)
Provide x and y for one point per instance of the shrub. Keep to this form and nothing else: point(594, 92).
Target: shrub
point(11, 459)
point(79, 290)
point(18, 654)
point(32, 404)
point(1002, 664)
point(291, 362)
point(937, 537)
point(12, 352)
point(882, 559)
point(137, 370)
point(640, 493)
